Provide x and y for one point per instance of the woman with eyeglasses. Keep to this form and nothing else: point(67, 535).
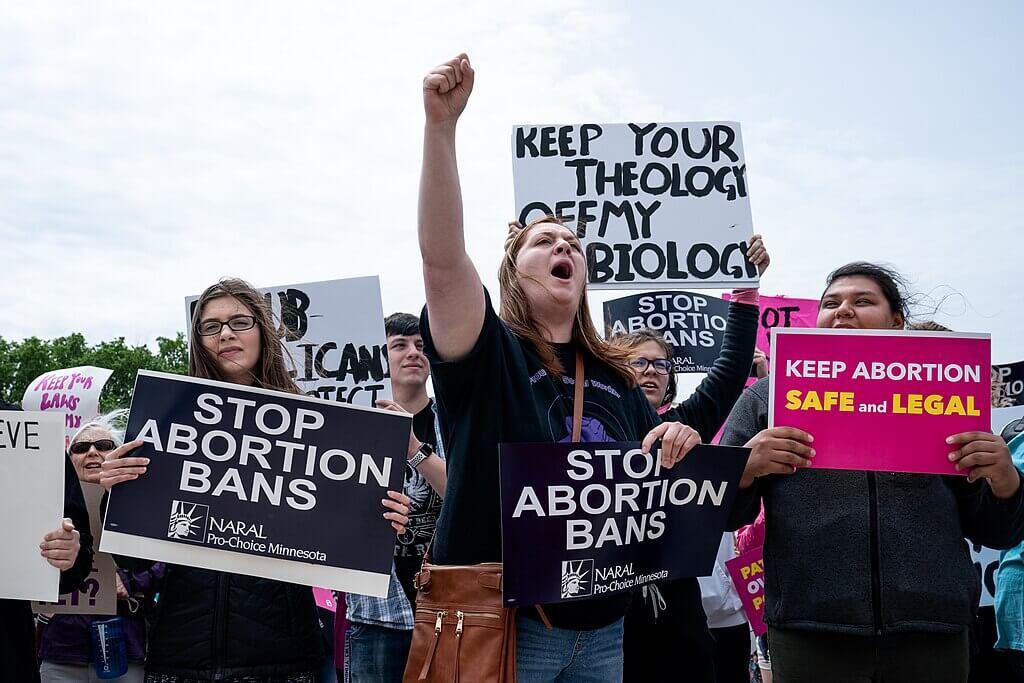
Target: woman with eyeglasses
point(65, 648)
point(667, 624)
point(212, 625)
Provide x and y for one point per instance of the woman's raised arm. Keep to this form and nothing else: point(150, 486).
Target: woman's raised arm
point(455, 297)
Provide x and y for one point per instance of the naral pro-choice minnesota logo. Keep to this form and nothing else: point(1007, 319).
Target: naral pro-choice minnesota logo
point(577, 579)
point(187, 521)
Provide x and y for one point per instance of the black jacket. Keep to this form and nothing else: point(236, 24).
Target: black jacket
point(17, 635)
point(211, 625)
point(869, 553)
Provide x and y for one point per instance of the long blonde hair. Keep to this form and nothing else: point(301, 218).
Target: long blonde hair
point(517, 313)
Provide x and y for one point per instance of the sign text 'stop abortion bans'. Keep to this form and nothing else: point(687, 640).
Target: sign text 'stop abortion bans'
point(260, 482)
point(656, 204)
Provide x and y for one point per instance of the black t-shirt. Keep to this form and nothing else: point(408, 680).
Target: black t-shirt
point(501, 393)
point(424, 510)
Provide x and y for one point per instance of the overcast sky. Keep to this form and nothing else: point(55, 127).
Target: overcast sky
point(147, 150)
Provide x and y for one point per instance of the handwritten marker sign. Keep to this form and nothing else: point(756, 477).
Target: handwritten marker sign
point(259, 482)
point(31, 501)
point(98, 593)
point(881, 400)
point(655, 204)
point(747, 573)
point(333, 336)
point(581, 520)
point(693, 324)
point(74, 392)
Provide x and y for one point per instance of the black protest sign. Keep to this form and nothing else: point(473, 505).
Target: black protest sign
point(692, 323)
point(332, 333)
point(587, 519)
point(656, 205)
point(260, 482)
point(1012, 377)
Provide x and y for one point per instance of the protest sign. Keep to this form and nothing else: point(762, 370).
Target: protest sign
point(1012, 377)
point(693, 324)
point(588, 519)
point(655, 205)
point(98, 593)
point(31, 501)
point(1008, 422)
point(333, 336)
point(986, 562)
point(781, 311)
point(74, 392)
point(747, 573)
point(907, 391)
point(325, 598)
point(260, 482)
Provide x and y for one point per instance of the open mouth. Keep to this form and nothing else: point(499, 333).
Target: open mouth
point(562, 271)
point(649, 385)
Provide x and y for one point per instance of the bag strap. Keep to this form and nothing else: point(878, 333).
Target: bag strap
point(577, 400)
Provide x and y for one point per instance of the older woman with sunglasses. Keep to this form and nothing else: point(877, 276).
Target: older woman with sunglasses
point(65, 648)
point(667, 626)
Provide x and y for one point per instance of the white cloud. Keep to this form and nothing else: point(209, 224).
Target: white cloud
point(146, 150)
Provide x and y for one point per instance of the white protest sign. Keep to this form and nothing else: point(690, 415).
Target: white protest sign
point(75, 392)
point(333, 336)
point(31, 501)
point(656, 205)
point(98, 593)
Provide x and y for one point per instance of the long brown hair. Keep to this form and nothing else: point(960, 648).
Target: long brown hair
point(517, 313)
point(270, 371)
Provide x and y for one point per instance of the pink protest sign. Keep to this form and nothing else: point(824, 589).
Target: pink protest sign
point(782, 311)
point(324, 597)
point(881, 400)
point(747, 573)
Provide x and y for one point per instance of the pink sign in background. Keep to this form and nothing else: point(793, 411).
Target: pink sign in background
point(884, 440)
point(747, 573)
point(782, 311)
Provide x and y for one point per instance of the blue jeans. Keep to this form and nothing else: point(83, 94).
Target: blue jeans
point(375, 654)
point(564, 656)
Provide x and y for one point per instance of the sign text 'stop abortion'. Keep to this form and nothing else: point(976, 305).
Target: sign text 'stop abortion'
point(655, 204)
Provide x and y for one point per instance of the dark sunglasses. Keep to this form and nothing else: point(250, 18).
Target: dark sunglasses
point(82, 447)
point(239, 323)
point(662, 366)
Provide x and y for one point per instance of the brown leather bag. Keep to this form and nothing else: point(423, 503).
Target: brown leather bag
point(462, 631)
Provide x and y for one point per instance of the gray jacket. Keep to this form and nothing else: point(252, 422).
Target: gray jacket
point(868, 553)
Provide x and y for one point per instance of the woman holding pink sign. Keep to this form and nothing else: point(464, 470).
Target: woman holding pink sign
point(867, 573)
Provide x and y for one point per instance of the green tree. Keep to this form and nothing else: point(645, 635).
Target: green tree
point(21, 362)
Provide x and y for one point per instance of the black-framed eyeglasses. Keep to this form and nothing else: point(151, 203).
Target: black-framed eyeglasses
point(238, 323)
point(101, 445)
point(662, 366)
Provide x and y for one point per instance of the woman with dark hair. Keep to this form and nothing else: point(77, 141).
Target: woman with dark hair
point(868, 576)
point(212, 625)
point(508, 378)
point(667, 622)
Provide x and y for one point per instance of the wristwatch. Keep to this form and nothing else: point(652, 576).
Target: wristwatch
point(422, 453)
